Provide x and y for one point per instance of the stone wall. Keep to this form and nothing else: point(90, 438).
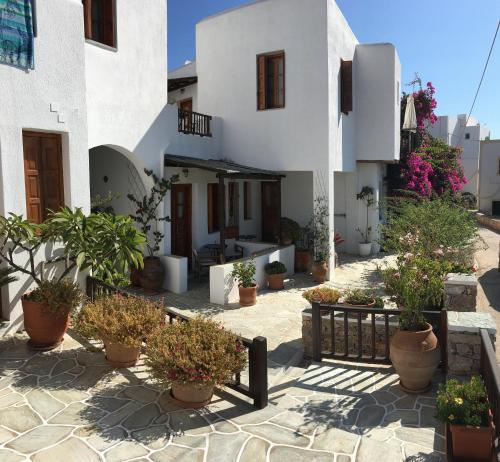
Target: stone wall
point(460, 292)
point(366, 334)
point(464, 341)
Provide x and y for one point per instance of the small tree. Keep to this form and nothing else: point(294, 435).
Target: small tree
point(146, 213)
point(320, 229)
point(366, 195)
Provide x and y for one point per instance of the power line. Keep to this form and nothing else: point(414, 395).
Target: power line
point(482, 77)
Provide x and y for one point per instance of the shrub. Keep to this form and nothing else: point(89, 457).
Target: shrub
point(276, 267)
point(323, 295)
point(60, 297)
point(359, 297)
point(290, 229)
point(244, 273)
point(463, 403)
point(119, 319)
point(199, 350)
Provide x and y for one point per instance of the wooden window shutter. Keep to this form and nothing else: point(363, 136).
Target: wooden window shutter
point(87, 18)
point(345, 86)
point(53, 191)
point(33, 178)
point(108, 18)
point(261, 82)
point(212, 207)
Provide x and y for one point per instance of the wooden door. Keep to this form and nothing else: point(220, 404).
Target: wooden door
point(186, 105)
point(270, 211)
point(43, 174)
point(180, 215)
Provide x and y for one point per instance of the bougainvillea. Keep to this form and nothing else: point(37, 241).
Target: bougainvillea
point(425, 105)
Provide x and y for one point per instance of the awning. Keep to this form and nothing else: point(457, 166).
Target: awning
point(181, 82)
point(223, 168)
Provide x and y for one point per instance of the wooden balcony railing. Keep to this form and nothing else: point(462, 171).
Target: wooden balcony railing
point(194, 123)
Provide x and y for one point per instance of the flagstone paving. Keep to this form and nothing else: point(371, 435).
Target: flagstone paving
point(67, 405)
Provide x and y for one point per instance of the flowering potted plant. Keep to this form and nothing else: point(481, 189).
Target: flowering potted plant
point(193, 357)
point(121, 323)
point(323, 295)
point(275, 275)
point(244, 273)
point(320, 230)
point(365, 246)
point(465, 408)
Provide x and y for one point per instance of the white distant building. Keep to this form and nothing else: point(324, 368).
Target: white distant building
point(489, 177)
point(453, 131)
point(282, 105)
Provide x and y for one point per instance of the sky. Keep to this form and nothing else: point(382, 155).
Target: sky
point(445, 41)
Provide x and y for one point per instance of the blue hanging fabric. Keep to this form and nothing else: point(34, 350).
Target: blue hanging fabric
point(16, 33)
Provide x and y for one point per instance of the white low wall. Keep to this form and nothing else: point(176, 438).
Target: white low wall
point(224, 289)
point(250, 248)
point(176, 273)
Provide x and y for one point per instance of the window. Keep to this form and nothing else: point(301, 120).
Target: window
point(213, 207)
point(345, 86)
point(43, 174)
point(467, 136)
point(271, 81)
point(99, 21)
point(247, 200)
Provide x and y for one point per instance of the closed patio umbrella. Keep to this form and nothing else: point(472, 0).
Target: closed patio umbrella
point(410, 122)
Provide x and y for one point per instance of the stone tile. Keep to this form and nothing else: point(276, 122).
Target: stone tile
point(177, 454)
point(406, 402)
point(378, 434)
point(105, 438)
point(40, 365)
point(24, 384)
point(250, 415)
point(336, 440)
point(277, 434)
point(20, 419)
point(89, 358)
point(370, 450)
point(68, 395)
point(9, 456)
point(108, 404)
point(198, 441)
point(370, 416)
point(43, 403)
point(225, 448)
point(116, 417)
point(166, 403)
point(286, 454)
point(342, 458)
point(427, 401)
point(6, 435)
point(78, 414)
point(405, 417)
point(383, 397)
point(142, 417)
point(296, 421)
point(255, 450)
point(57, 381)
point(225, 427)
point(420, 436)
point(63, 366)
point(72, 449)
point(189, 422)
point(428, 419)
point(415, 453)
point(90, 377)
point(153, 437)
point(139, 393)
point(125, 451)
point(10, 399)
point(39, 438)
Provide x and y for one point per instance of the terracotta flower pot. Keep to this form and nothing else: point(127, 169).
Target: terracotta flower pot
point(415, 356)
point(192, 395)
point(45, 328)
point(118, 355)
point(135, 277)
point(152, 275)
point(319, 270)
point(286, 241)
point(276, 281)
point(303, 260)
point(470, 442)
point(248, 295)
point(364, 316)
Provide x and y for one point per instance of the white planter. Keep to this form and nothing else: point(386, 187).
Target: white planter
point(364, 249)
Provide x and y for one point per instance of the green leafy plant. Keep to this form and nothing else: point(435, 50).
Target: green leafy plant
point(379, 302)
point(463, 403)
point(146, 214)
point(59, 297)
point(275, 267)
point(118, 319)
point(359, 297)
point(320, 229)
point(244, 273)
point(290, 230)
point(197, 351)
point(100, 203)
point(324, 295)
point(367, 196)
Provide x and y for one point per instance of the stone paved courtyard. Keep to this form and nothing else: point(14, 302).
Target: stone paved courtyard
point(68, 405)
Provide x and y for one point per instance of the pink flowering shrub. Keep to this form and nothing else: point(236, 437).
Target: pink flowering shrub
point(425, 104)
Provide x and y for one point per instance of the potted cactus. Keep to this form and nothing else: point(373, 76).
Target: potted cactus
point(275, 275)
point(192, 358)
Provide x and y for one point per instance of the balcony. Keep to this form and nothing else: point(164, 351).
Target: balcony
point(194, 123)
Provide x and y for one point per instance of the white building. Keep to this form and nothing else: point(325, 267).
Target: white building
point(457, 131)
point(288, 113)
point(489, 177)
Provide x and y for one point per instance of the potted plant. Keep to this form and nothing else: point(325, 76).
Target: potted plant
point(152, 274)
point(303, 250)
point(365, 246)
point(290, 231)
point(275, 275)
point(192, 357)
point(465, 409)
point(244, 273)
point(320, 230)
point(359, 298)
point(414, 349)
point(105, 244)
point(323, 295)
point(121, 323)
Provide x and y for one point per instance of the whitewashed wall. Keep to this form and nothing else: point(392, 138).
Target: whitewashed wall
point(190, 91)
point(489, 184)
point(297, 196)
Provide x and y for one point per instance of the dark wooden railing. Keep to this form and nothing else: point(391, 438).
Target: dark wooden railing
point(351, 339)
point(194, 123)
point(256, 388)
point(491, 376)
